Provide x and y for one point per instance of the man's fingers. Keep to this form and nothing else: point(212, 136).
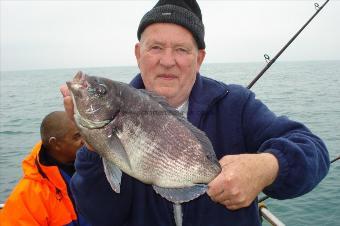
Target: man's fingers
point(69, 108)
point(228, 159)
point(64, 91)
point(215, 187)
point(68, 102)
point(221, 197)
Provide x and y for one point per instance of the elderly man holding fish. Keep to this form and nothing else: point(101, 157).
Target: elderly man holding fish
point(257, 150)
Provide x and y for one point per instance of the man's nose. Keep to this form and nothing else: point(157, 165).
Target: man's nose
point(168, 58)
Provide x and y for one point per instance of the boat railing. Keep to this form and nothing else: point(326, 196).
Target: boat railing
point(265, 213)
point(268, 216)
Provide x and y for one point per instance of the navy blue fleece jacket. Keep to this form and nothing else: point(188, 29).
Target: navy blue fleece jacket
point(236, 123)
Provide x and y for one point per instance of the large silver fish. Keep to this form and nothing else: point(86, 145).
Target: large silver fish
point(137, 132)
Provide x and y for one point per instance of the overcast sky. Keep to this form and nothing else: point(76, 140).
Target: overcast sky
point(69, 34)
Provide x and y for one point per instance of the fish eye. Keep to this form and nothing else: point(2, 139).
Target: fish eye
point(100, 89)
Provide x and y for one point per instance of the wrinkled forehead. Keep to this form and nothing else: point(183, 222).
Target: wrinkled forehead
point(167, 32)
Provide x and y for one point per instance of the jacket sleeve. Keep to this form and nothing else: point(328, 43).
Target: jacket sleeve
point(95, 200)
point(17, 211)
point(302, 156)
point(27, 206)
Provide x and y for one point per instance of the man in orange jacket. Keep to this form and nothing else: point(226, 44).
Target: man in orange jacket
point(42, 196)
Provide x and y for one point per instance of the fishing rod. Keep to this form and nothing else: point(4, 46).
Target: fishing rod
point(318, 9)
point(336, 159)
point(266, 197)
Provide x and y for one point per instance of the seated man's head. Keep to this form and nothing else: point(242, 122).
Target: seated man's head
point(60, 137)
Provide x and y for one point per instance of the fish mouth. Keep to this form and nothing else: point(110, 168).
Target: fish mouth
point(89, 123)
point(79, 81)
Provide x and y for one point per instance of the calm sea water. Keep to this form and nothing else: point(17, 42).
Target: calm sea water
point(304, 91)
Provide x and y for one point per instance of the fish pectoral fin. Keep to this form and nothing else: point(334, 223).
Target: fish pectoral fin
point(113, 175)
point(119, 150)
point(180, 195)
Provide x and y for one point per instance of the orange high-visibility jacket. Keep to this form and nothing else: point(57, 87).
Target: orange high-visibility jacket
point(40, 197)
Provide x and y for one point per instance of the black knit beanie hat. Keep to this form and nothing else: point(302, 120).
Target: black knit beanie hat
point(186, 13)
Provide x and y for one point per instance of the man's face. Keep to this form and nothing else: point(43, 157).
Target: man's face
point(168, 59)
point(70, 143)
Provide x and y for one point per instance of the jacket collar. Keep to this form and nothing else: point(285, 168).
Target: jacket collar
point(34, 170)
point(204, 94)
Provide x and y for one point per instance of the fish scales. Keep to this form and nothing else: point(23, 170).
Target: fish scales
point(157, 153)
point(143, 156)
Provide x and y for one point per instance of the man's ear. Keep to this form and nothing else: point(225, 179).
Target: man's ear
point(200, 58)
point(52, 142)
point(137, 52)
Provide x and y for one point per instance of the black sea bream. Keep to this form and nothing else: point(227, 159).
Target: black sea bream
point(137, 132)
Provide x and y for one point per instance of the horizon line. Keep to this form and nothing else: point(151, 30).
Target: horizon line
point(136, 66)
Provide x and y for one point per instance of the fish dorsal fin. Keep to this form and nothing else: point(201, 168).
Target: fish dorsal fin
point(113, 175)
point(199, 134)
point(180, 195)
point(160, 99)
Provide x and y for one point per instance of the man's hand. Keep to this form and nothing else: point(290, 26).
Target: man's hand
point(69, 108)
point(242, 178)
point(68, 103)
